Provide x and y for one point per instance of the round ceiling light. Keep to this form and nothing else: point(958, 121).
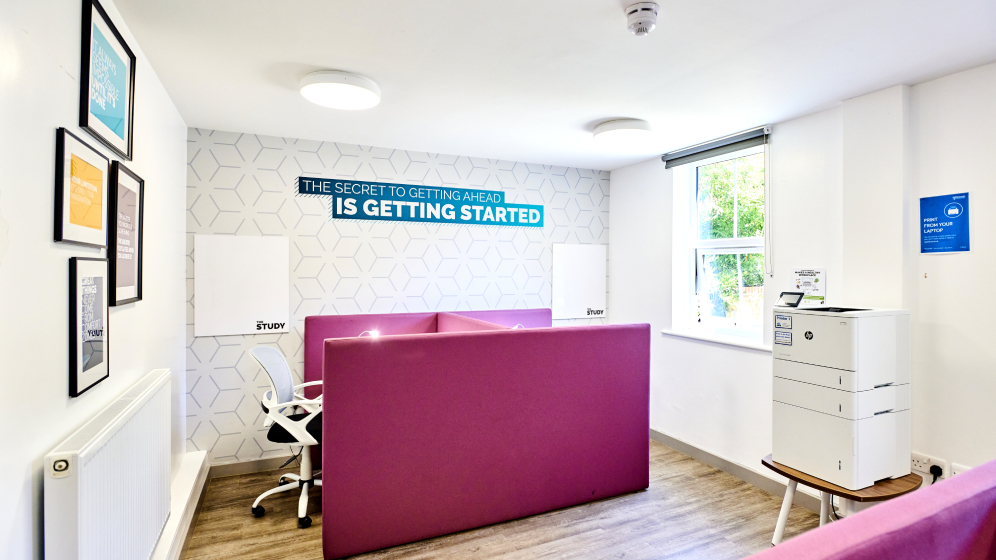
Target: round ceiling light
point(623, 131)
point(340, 90)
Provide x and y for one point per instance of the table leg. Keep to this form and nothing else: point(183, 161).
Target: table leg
point(783, 515)
point(824, 508)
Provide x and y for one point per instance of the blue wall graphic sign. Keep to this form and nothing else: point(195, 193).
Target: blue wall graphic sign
point(108, 82)
point(368, 200)
point(944, 224)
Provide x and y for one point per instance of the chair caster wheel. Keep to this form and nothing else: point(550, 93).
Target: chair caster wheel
point(281, 481)
point(258, 511)
point(304, 522)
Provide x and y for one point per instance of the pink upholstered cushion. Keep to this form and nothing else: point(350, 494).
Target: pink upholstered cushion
point(952, 520)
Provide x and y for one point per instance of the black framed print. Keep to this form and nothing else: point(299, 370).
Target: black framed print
point(88, 287)
point(80, 192)
point(124, 248)
point(107, 82)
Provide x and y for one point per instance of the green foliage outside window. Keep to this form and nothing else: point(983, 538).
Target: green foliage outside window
point(730, 201)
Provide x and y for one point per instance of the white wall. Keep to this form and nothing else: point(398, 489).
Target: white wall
point(640, 261)
point(243, 184)
point(39, 92)
point(876, 192)
point(954, 357)
point(904, 143)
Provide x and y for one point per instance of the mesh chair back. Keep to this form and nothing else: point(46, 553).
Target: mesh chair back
point(276, 367)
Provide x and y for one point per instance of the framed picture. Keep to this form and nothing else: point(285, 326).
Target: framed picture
point(107, 82)
point(124, 250)
point(80, 192)
point(88, 284)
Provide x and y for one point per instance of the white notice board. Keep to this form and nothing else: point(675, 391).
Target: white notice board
point(241, 285)
point(578, 281)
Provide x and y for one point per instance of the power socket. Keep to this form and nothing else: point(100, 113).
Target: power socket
point(957, 469)
point(922, 463)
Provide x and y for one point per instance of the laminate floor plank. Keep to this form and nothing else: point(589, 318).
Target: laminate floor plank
point(690, 512)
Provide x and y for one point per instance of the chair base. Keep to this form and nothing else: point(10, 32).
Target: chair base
point(304, 481)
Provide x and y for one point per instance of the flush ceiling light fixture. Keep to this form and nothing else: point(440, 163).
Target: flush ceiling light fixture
point(623, 131)
point(340, 90)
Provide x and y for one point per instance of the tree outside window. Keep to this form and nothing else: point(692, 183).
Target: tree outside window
point(729, 249)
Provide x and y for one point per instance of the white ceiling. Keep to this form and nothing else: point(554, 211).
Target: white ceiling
point(528, 80)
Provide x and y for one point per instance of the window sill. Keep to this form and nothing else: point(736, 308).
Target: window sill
point(716, 339)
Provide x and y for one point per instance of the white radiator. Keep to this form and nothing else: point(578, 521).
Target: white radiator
point(107, 493)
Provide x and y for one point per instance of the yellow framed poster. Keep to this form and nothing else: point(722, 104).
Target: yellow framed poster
point(81, 175)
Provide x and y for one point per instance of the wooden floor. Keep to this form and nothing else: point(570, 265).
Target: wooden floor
point(691, 511)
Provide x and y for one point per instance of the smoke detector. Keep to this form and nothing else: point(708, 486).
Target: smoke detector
point(642, 18)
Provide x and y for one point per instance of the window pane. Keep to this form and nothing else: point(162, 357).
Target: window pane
point(751, 304)
point(719, 294)
point(714, 199)
point(750, 196)
point(732, 288)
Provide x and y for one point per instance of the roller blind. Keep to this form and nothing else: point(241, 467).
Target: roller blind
point(732, 143)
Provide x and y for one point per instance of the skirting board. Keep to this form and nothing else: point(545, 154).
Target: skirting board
point(186, 495)
point(247, 467)
point(753, 478)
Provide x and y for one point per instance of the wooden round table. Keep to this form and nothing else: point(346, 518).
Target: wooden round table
point(881, 490)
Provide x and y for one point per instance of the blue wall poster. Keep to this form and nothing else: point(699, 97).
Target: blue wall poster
point(108, 85)
point(107, 82)
point(369, 200)
point(944, 224)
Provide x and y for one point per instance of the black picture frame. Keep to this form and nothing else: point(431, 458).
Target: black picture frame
point(64, 230)
point(106, 90)
point(88, 349)
point(122, 237)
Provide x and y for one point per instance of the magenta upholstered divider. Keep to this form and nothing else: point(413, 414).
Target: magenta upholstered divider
point(954, 519)
point(428, 435)
point(449, 322)
point(528, 318)
point(319, 327)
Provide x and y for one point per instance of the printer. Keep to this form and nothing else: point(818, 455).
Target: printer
point(841, 399)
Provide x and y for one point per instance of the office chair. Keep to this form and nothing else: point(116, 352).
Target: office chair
point(286, 426)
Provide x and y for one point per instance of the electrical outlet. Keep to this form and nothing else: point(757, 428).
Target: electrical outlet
point(922, 463)
point(958, 469)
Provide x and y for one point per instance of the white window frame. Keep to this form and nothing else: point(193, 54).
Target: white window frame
point(686, 250)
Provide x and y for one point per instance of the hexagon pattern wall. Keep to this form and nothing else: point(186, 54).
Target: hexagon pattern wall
point(243, 184)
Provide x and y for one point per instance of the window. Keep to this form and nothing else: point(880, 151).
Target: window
point(724, 244)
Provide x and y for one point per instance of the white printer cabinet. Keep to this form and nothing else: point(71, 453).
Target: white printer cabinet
point(841, 399)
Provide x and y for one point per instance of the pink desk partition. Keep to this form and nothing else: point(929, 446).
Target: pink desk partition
point(528, 318)
point(952, 520)
point(429, 434)
point(317, 328)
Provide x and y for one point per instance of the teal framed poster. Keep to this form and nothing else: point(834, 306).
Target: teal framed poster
point(107, 82)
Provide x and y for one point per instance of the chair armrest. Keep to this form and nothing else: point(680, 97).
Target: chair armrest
point(296, 402)
point(308, 384)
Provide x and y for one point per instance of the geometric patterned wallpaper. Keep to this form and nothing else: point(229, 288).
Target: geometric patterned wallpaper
point(243, 184)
